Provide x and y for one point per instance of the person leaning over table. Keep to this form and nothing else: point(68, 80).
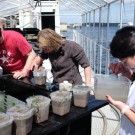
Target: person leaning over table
point(16, 54)
point(65, 57)
point(123, 48)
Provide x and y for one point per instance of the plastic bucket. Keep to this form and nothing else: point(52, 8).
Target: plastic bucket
point(61, 101)
point(116, 86)
point(81, 95)
point(5, 124)
point(23, 117)
point(41, 106)
point(39, 76)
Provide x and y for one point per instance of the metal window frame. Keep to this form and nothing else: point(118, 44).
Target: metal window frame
point(94, 3)
point(86, 4)
point(81, 4)
point(75, 8)
point(73, 2)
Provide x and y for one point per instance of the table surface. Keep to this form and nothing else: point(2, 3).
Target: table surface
point(56, 122)
point(25, 85)
point(23, 88)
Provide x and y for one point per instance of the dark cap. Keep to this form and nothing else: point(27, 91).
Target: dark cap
point(0, 32)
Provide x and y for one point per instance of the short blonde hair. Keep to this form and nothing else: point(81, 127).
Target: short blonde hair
point(50, 38)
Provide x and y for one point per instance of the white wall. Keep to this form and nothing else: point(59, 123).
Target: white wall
point(26, 19)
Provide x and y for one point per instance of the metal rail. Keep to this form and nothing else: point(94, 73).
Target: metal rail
point(98, 55)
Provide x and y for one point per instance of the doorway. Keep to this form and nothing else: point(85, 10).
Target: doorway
point(48, 20)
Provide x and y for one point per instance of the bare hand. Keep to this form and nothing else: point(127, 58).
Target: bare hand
point(34, 66)
point(18, 75)
point(118, 104)
point(119, 67)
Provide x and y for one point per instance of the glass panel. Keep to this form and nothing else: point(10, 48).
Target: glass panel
point(128, 13)
point(87, 5)
point(95, 3)
point(10, 7)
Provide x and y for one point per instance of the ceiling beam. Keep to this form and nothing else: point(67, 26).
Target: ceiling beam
point(78, 10)
point(72, 1)
point(86, 4)
point(94, 3)
point(105, 1)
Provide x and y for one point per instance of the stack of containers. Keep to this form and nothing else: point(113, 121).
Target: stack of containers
point(61, 102)
point(23, 118)
point(41, 106)
point(5, 124)
point(81, 95)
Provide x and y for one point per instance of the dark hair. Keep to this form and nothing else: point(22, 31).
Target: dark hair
point(123, 43)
